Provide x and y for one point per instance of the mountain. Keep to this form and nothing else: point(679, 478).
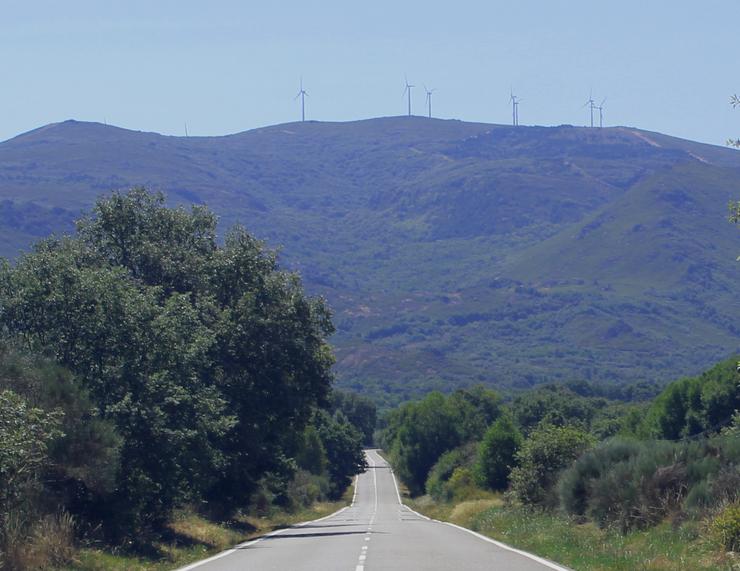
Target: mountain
point(452, 253)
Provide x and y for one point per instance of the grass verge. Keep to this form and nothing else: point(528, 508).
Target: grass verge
point(585, 547)
point(190, 538)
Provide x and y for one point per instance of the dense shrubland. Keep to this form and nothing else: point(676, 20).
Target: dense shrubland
point(144, 367)
point(578, 451)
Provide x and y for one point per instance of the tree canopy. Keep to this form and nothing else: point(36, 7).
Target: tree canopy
point(206, 358)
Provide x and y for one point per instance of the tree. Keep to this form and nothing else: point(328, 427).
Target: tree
point(207, 359)
point(695, 405)
point(428, 428)
point(343, 445)
point(359, 410)
point(311, 454)
point(497, 454)
point(735, 102)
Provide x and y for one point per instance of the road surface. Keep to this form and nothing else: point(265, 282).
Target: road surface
point(376, 532)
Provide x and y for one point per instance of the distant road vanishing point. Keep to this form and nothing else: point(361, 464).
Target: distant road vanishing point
point(377, 532)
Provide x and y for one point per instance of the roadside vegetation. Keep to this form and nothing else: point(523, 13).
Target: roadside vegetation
point(592, 482)
point(150, 376)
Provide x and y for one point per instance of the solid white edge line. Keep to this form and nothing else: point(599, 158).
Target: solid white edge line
point(531, 556)
point(354, 495)
point(253, 541)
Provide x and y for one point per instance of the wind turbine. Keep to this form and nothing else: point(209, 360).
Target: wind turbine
point(592, 106)
point(302, 94)
point(601, 113)
point(406, 91)
point(514, 109)
point(429, 100)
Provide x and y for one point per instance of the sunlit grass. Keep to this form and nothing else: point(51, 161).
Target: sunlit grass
point(585, 547)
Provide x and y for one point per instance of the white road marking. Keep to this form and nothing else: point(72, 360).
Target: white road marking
point(354, 495)
point(531, 556)
point(253, 541)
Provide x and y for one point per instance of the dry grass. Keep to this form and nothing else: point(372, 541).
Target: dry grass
point(49, 544)
point(464, 512)
point(195, 538)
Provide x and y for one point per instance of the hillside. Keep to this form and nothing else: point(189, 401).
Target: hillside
point(452, 252)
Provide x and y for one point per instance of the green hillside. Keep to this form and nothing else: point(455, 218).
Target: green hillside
point(452, 253)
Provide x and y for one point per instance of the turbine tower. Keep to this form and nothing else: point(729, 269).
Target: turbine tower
point(429, 100)
point(591, 106)
point(514, 109)
point(407, 91)
point(601, 113)
point(302, 94)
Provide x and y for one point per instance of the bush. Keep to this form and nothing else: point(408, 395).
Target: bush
point(497, 454)
point(542, 457)
point(726, 527)
point(637, 484)
point(25, 434)
point(437, 484)
point(576, 482)
point(305, 489)
point(461, 484)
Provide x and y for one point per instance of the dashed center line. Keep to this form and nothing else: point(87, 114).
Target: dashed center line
point(363, 552)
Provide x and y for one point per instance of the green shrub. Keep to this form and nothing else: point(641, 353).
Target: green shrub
point(637, 484)
point(437, 484)
point(542, 457)
point(462, 484)
point(576, 482)
point(497, 454)
point(726, 527)
point(305, 489)
point(25, 434)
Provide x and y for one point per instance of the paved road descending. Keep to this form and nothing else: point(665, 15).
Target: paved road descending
point(376, 532)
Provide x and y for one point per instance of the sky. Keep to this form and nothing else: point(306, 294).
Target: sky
point(226, 66)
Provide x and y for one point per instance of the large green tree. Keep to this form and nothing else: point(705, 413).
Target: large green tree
point(207, 358)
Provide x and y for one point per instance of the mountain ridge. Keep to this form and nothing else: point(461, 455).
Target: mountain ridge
point(446, 248)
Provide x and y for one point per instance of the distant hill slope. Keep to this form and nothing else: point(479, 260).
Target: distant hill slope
point(452, 252)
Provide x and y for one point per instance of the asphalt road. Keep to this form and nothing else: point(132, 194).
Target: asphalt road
point(376, 532)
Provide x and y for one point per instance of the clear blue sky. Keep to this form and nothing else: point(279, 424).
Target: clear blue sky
point(226, 66)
